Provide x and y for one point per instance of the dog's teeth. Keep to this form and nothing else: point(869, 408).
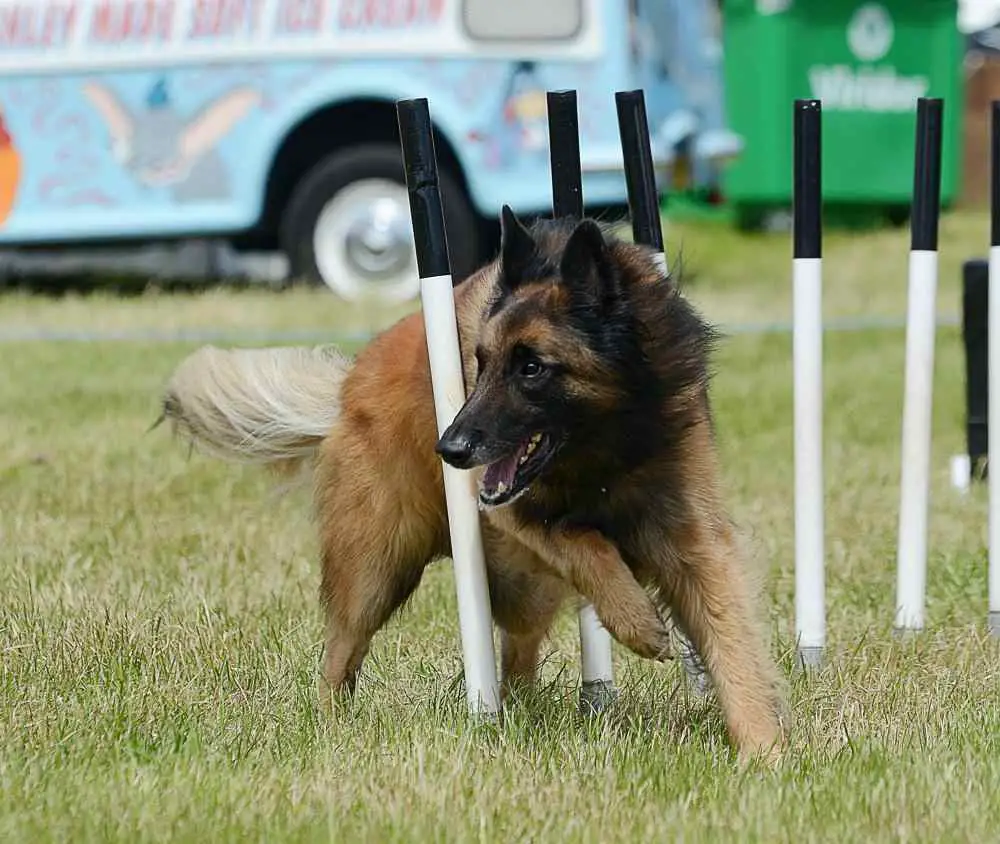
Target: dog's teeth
point(527, 451)
point(524, 458)
point(536, 439)
point(501, 488)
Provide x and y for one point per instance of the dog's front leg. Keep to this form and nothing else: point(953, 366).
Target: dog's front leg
point(592, 564)
point(712, 599)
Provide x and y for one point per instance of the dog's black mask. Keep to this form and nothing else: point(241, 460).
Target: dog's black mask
point(537, 377)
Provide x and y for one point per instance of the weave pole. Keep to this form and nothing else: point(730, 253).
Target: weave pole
point(911, 558)
point(647, 229)
point(597, 687)
point(437, 299)
point(993, 374)
point(807, 357)
point(640, 179)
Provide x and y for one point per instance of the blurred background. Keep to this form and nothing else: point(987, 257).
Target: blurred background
point(238, 141)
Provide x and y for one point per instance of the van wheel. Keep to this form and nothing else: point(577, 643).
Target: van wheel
point(347, 226)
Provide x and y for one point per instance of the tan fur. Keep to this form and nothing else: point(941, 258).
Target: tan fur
point(382, 516)
point(703, 576)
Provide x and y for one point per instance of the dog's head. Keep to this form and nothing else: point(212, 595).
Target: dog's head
point(547, 361)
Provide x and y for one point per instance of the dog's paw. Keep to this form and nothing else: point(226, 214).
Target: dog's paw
point(654, 642)
point(764, 755)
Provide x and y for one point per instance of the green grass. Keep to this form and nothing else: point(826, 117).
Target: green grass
point(160, 633)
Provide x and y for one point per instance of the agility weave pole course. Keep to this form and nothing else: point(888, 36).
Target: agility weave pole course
point(921, 327)
point(597, 676)
point(980, 330)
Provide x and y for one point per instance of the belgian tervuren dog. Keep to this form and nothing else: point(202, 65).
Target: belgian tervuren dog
point(589, 432)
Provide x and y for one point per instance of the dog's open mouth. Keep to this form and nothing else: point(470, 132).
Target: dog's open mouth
point(507, 478)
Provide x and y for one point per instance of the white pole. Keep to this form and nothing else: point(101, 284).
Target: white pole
point(911, 583)
point(647, 229)
point(448, 385)
point(918, 397)
point(993, 436)
point(807, 356)
point(807, 379)
point(597, 687)
point(993, 376)
point(474, 614)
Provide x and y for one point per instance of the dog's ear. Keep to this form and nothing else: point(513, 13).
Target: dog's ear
point(517, 248)
point(587, 267)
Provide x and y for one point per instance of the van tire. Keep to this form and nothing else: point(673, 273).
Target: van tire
point(353, 167)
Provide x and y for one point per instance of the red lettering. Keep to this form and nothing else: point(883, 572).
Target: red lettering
point(12, 26)
point(214, 18)
point(132, 21)
point(101, 22)
point(68, 23)
point(389, 14)
point(164, 28)
point(301, 15)
point(394, 14)
point(348, 18)
point(204, 18)
point(31, 25)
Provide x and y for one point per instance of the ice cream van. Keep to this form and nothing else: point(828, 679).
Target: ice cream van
point(271, 125)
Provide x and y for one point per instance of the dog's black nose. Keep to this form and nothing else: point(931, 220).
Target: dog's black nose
point(455, 450)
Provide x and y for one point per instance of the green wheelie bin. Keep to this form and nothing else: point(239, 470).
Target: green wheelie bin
point(868, 63)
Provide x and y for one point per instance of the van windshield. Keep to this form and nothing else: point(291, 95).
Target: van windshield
point(522, 20)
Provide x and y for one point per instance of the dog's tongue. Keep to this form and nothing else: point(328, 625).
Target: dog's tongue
point(502, 472)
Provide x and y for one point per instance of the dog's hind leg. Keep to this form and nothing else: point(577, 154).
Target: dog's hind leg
point(374, 551)
point(361, 589)
point(359, 592)
point(519, 656)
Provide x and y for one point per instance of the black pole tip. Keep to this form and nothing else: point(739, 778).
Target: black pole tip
point(807, 186)
point(420, 168)
point(926, 209)
point(640, 178)
point(417, 140)
point(564, 153)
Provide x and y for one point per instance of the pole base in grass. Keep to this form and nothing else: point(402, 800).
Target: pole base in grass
point(697, 677)
point(995, 624)
point(486, 716)
point(596, 696)
point(906, 632)
point(811, 657)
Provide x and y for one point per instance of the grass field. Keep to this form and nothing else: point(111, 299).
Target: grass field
point(160, 633)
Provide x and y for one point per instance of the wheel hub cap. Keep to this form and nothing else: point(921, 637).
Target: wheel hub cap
point(379, 240)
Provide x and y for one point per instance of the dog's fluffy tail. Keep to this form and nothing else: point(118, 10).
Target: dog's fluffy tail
point(266, 406)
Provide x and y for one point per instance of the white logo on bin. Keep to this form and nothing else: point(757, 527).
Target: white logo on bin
point(870, 32)
point(773, 7)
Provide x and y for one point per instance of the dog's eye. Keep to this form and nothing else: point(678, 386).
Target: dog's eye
point(531, 369)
